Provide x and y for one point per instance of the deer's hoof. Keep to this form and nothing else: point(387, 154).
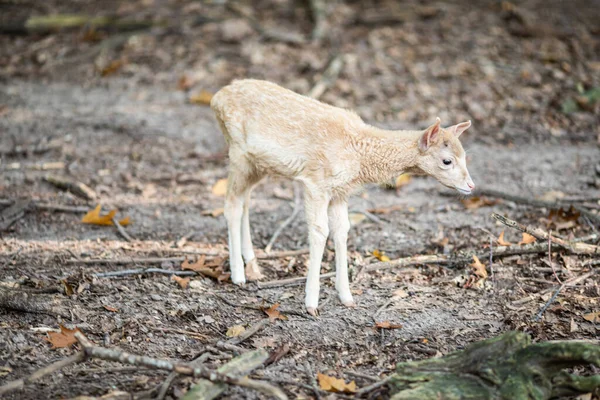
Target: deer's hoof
point(253, 271)
point(312, 311)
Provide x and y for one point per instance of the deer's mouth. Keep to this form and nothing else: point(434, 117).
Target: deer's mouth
point(463, 191)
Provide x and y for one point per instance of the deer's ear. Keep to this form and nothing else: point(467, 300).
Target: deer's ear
point(430, 135)
point(459, 128)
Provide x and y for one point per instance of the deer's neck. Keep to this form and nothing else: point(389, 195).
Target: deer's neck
point(384, 155)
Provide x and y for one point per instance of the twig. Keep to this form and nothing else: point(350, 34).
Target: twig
point(305, 386)
point(249, 332)
point(77, 188)
point(181, 368)
point(13, 213)
point(289, 220)
point(230, 347)
point(144, 271)
point(312, 380)
point(374, 386)
point(40, 373)
point(329, 77)
point(361, 375)
point(550, 257)
point(550, 301)
point(122, 230)
point(48, 207)
point(164, 387)
point(18, 300)
point(539, 203)
point(319, 16)
point(491, 257)
point(575, 247)
point(370, 216)
point(290, 281)
point(269, 33)
point(160, 260)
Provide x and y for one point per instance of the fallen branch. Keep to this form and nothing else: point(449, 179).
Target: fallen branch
point(77, 188)
point(290, 281)
point(539, 203)
point(40, 373)
point(574, 247)
point(289, 220)
point(550, 301)
point(181, 368)
point(144, 271)
point(17, 300)
point(249, 332)
point(51, 23)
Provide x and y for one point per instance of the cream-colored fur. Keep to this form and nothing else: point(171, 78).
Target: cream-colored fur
point(274, 131)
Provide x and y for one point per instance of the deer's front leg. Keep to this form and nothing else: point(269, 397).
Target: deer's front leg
point(316, 217)
point(340, 225)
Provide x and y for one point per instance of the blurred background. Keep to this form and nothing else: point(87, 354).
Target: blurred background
point(522, 71)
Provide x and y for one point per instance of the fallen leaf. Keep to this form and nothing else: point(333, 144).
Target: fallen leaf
point(501, 240)
point(475, 202)
point(527, 239)
point(183, 282)
point(235, 331)
point(278, 354)
point(196, 266)
point(112, 67)
point(5, 371)
point(332, 384)
point(94, 217)
point(356, 218)
point(401, 293)
point(380, 255)
point(592, 317)
point(184, 83)
point(110, 308)
point(274, 313)
point(385, 210)
point(403, 180)
point(215, 212)
point(202, 98)
point(573, 326)
point(64, 338)
point(387, 325)
point(68, 288)
point(479, 268)
point(220, 188)
point(561, 215)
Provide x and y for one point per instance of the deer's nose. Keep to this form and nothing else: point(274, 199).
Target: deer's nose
point(471, 185)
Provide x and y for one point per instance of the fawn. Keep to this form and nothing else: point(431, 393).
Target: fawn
point(331, 151)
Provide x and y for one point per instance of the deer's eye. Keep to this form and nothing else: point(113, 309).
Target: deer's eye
point(447, 162)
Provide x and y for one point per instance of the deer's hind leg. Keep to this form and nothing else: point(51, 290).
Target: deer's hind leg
point(247, 250)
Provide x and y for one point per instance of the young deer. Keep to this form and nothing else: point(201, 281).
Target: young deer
point(331, 151)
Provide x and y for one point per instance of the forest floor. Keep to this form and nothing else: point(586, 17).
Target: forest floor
point(124, 113)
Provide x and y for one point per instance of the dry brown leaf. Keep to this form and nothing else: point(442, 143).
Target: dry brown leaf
point(385, 210)
point(110, 308)
point(593, 317)
point(214, 212)
point(183, 282)
point(111, 68)
point(527, 239)
point(475, 202)
point(184, 83)
point(380, 255)
point(403, 180)
point(479, 268)
point(387, 325)
point(332, 384)
point(203, 98)
point(235, 331)
point(196, 266)
point(274, 313)
point(501, 240)
point(64, 338)
point(220, 188)
point(68, 288)
point(94, 217)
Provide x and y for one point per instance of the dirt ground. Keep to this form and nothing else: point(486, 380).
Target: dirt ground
point(112, 109)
